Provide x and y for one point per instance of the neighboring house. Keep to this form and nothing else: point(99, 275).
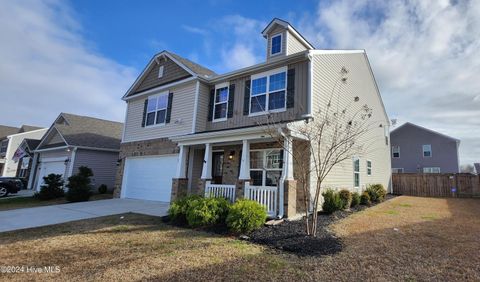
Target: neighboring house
point(190, 130)
point(9, 145)
point(25, 162)
point(73, 141)
point(416, 149)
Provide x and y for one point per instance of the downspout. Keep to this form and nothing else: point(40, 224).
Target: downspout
point(309, 113)
point(281, 187)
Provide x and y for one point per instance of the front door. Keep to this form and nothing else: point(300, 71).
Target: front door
point(217, 167)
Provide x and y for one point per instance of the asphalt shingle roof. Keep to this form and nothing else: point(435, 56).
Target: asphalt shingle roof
point(196, 68)
point(7, 130)
point(90, 132)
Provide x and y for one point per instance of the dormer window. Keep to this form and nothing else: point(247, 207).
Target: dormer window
point(160, 72)
point(276, 44)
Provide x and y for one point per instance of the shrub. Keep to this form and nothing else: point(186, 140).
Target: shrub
point(376, 192)
point(346, 198)
point(79, 189)
point(331, 201)
point(102, 189)
point(246, 216)
point(365, 199)
point(178, 208)
point(355, 199)
point(53, 187)
point(206, 211)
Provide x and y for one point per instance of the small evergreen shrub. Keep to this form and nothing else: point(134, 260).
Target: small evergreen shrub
point(355, 199)
point(102, 189)
point(178, 208)
point(52, 189)
point(376, 192)
point(365, 199)
point(79, 188)
point(331, 201)
point(346, 198)
point(246, 216)
point(206, 211)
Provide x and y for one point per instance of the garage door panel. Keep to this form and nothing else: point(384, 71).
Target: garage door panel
point(149, 178)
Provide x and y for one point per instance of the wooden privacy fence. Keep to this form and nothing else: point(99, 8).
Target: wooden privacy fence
point(436, 184)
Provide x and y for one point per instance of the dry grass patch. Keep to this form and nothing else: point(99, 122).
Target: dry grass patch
point(431, 239)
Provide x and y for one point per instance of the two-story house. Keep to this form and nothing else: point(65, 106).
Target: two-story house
point(416, 149)
point(190, 130)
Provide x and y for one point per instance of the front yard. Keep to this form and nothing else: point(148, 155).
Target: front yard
point(30, 202)
point(405, 238)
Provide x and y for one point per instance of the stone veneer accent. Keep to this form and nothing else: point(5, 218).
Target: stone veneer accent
point(161, 146)
point(179, 188)
point(290, 202)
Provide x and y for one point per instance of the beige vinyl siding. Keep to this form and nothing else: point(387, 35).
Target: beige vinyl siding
point(326, 72)
point(197, 166)
point(202, 107)
point(275, 31)
point(293, 45)
point(240, 120)
point(102, 163)
point(180, 122)
point(171, 72)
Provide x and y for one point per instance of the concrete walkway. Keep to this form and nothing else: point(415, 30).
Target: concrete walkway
point(48, 215)
point(20, 194)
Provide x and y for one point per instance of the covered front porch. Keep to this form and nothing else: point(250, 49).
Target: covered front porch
point(237, 164)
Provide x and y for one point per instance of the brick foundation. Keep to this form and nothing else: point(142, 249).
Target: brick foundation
point(240, 189)
point(200, 188)
point(179, 188)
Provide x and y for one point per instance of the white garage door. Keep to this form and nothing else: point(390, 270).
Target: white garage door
point(57, 167)
point(149, 178)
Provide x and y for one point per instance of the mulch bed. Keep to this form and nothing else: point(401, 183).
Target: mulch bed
point(290, 236)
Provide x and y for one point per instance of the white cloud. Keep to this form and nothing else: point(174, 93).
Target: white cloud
point(424, 55)
point(47, 67)
point(193, 29)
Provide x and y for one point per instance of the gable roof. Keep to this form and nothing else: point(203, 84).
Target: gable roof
point(425, 129)
point(290, 28)
point(27, 128)
point(7, 130)
point(192, 68)
point(31, 144)
point(83, 131)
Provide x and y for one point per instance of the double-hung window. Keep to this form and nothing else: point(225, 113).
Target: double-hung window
point(431, 170)
point(369, 168)
point(356, 172)
point(156, 109)
point(276, 43)
point(221, 103)
point(427, 150)
point(266, 167)
point(395, 151)
point(268, 91)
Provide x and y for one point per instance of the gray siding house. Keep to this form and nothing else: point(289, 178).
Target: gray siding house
point(416, 149)
point(189, 130)
point(73, 141)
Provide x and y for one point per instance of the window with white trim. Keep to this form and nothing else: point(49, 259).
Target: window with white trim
point(220, 106)
point(431, 170)
point(427, 150)
point(156, 109)
point(160, 71)
point(397, 170)
point(268, 91)
point(276, 44)
point(369, 168)
point(395, 151)
point(266, 167)
point(356, 172)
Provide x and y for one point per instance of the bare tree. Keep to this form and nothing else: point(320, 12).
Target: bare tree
point(336, 133)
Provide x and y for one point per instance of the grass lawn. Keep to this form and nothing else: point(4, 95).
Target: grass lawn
point(30, 202)
point(405, 238)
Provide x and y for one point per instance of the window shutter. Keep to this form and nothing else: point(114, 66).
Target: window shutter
point(291, 88)
point(231, 96)
point(246, 98)
point(144, 118)
point(210, 104)
point(169, 108)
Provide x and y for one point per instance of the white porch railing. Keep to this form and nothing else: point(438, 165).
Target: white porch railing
point(265, 195)
point(220, 191)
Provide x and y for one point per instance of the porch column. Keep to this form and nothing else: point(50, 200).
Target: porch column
point(245, 161)
point(207, 163)
point(182, 163)
point(288, 158)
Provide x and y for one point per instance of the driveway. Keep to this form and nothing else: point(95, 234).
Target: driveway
point(20, 194)
point(48, 215)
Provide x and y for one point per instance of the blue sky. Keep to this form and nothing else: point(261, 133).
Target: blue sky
point(81, 56)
